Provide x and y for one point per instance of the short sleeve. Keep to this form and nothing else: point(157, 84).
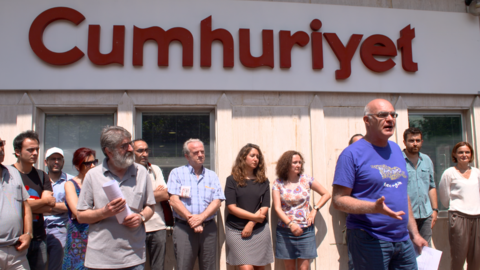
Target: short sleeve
point(174, 183)
point(345, 171)
point(25, 194)
point(47, 184)
point(149, 197)
point(218, 188)
point(85, 200)
point(276, 185)
point(230, 191)
point(266, 195)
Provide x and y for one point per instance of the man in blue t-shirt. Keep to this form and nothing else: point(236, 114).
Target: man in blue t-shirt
point(370, 185)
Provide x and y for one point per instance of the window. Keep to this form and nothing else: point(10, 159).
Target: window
point(165, 134)
point(440, 133)
point(70, 132)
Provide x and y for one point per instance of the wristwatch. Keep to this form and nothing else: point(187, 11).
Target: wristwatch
point(316, 207)
point(143, 218)
point(435, 209)
point(31, 235)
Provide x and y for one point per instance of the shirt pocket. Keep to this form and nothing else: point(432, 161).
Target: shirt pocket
point(18, 194)
point(208, 197)
point(425, 176)
point(137, 201)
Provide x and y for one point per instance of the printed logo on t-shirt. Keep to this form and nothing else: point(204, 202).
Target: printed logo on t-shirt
point(389, 172)
point(33, 196)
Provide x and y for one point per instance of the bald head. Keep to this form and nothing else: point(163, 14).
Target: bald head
point(374, 105)
point(379, 121)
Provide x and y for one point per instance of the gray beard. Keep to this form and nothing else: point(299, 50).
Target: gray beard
point(122, 161)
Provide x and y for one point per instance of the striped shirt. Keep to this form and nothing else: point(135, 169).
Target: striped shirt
point(203, 190)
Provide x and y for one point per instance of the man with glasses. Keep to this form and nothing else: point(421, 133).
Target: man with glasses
point(370, 184)
point(155, 227)
point(55, 223)
point(112, 245)
point(195, 196)
point(41, 200)
point(16, 217)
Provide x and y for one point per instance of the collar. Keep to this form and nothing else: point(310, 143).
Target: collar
point(406, 158)
point(192, 171)
point(130, 170)
point(62, 178)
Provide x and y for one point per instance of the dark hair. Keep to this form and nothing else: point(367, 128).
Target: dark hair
point(284, 164)
point(413, 131)
point(18, 141)
point(238, 169)
point(81, 154)
point(458, 145)
point(356, 135)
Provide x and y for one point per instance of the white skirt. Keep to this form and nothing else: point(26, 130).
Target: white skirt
point(254, 250)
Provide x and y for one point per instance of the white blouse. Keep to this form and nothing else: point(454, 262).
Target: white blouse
point(460, 194)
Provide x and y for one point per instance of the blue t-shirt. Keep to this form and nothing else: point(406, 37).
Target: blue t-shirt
point(372, 172)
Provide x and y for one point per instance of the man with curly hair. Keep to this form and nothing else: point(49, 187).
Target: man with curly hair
point(370, 184)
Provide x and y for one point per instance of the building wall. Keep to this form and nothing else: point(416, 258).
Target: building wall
point(318, 125)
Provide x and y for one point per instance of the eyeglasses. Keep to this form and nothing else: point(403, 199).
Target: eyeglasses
point(2, 143)
point(141, 150)
point(89, 163)
point(384, 114)
point(125, 145)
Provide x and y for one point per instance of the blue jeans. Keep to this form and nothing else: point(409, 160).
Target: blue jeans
point(56, 238)
point(37, 254)
point(369, 252)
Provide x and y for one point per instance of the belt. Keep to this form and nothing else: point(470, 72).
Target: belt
point(181, 221)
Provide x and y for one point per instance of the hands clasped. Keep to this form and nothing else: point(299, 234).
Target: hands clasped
point(195, 222)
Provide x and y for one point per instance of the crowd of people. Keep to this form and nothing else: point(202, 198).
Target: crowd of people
point(389, 195)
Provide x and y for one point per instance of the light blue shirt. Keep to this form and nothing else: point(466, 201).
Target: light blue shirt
point(203, 190)
point(420, 181)
point(58, 187)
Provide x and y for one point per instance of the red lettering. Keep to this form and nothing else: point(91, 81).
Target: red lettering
point(118, 46)
point(317, 44)
point(35, 36)
point(206, 40)
point(163, 39)
point(378, 45)
point(404, 44)
point(246, 58)
point(286, 44)
point(344, 54)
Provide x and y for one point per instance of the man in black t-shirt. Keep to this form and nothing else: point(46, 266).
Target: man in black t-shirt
point(39, 187)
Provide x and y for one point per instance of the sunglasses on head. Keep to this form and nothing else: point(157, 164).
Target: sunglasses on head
point(89, 163)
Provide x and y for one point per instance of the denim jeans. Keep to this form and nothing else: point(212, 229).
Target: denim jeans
point(369, 252)
point(37, 254)
point(56, 238)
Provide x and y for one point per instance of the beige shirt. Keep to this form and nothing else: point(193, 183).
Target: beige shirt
point(157, 222)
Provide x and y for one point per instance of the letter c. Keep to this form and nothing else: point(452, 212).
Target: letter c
point(35, 36)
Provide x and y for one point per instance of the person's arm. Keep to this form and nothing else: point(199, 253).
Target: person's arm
point(134, 220)
point(44, 205)
point(231, 201)
point(344, 202)
point(90, 216)
point(71, 198)
point(417, 240)
point(178, 206)
point(212, 208)
point(277, 205)
point(26, 237)
point(161, 194)
point(432, 193)
point(317, 187)
point(444, 189)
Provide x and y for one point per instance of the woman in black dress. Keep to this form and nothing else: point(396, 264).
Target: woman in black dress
point(247, 193)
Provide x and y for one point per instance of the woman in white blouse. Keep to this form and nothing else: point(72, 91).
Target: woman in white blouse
point(460, 193)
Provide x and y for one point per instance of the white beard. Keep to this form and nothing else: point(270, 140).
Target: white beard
point(122, 161)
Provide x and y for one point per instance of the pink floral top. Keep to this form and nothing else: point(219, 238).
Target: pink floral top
point(295, 203)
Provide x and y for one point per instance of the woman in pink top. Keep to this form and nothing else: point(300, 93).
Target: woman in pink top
point(291, 199)
point(460, 193)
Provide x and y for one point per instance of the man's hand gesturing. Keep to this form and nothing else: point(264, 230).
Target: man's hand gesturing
point(382, 208)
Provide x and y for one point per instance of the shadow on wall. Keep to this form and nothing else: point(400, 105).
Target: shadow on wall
point(338, 225)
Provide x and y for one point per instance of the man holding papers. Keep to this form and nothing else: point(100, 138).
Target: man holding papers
point(111, 244)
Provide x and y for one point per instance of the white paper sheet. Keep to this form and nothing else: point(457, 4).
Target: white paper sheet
point(112, 190)
point(429, 259)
